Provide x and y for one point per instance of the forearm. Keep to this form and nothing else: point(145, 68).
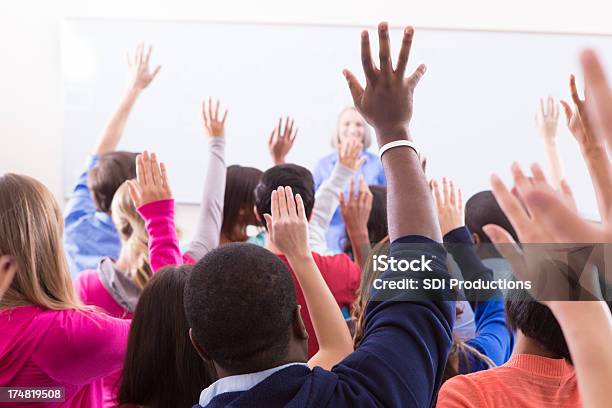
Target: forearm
point(326, 202)
point(114, 129)
point(555, 164)
point(163, 242)
point(331, 330)
point(600, 170)
point(410, 208)
point(587, 328)
point(208, 229)
point(360, 242)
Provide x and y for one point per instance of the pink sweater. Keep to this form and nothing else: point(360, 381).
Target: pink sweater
point(67, 348)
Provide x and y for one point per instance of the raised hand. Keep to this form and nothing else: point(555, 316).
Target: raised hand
point(449, 205)
point(281, 140)
point(547, 118)
point(348, 154)
point(214, 126)
point(288, 226)
point(355, 209)
point(151, 182)
point(577, 120)
point(139, 65)
point(386, 102)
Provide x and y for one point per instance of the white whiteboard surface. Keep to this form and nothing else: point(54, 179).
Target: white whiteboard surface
point(474, 108)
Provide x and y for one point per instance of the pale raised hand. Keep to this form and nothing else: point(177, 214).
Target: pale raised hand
point(449, 204)
point(348, 154)
point(214, 125)
point(355, 209)
point(139, 65)
point(577, 120)
point(281, 140)
point(547, 119)
point(151, 182)
point(386, 102)
point(287, 225)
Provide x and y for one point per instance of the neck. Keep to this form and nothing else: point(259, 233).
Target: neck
point(222, 373)
point(526, 345)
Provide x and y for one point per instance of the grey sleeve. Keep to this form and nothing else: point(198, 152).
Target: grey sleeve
point(208, 229)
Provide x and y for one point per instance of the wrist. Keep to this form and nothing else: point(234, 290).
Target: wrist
point(358, 233)
point(299, 257)
point(386, 134)
point(593, 149)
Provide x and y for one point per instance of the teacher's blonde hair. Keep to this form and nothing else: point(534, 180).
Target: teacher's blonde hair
point(367, 135)
point(31, 228)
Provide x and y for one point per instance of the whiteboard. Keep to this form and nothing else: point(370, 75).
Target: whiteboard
point(474, 108)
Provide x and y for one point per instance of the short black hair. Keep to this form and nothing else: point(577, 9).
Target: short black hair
point(482, 209)
point(287, 175)
point(240, 303)
point(108, 174)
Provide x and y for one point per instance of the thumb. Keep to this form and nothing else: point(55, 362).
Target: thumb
point(568, 111)
point(268, 219)
point(549, 209)
point(354, 86)
point(360, 162)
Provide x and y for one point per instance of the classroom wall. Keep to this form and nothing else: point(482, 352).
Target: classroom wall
point(30, 91)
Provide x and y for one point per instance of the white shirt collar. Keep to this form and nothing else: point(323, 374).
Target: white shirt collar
point(235, 383)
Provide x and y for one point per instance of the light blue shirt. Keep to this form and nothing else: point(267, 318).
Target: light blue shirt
point(236, 383)
point(372, 172)
point(89, 235)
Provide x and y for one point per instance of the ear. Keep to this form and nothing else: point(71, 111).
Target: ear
point(8, 269)
point(476, 239)
point(257, 214)
point(199, 348)
point(299, 329)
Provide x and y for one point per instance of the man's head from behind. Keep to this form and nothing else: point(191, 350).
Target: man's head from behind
point(110, 172)
point(287, 175)
point(482, 209)
point(241, 306)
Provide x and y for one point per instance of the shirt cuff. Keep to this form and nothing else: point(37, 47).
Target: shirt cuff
point(156, 209)
point(458, 235)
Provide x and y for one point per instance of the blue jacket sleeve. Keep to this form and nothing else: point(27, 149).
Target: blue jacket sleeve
point(493, 338)
point(401, 359)
point(80, 203)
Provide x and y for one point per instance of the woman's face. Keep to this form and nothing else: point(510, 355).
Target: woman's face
point(351, 126)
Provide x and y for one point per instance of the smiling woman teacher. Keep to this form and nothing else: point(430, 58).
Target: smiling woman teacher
point(351, 125)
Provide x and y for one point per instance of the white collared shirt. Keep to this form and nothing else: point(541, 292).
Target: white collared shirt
point(235, 383)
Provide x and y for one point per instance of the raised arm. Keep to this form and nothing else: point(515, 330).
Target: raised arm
point(355, 211)
point(281, 140)
point(386, 104)
point(546, 119)
point(153, 198)
point(208, 229)
point(141, 78)
point(326, 197)
point(288, 229)
point(593, 150)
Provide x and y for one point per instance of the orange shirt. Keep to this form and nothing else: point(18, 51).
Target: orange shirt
point(526, 380)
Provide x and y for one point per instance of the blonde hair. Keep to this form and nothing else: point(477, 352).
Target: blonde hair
point(31, 228)
point(133, 235)
point(367, 136)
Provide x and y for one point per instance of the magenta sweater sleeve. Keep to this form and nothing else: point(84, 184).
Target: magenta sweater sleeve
point(82, 346)
point(163, 243)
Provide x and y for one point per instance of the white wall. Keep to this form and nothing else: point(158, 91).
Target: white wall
point(30, 105)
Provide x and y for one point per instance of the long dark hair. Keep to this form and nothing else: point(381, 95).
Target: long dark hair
point(239, 201)
point(162, 369)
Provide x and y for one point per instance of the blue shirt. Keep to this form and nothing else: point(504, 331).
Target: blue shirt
point(372, 172)
point(89, 235)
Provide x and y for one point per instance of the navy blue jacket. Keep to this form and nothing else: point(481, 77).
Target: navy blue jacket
point(399, 363)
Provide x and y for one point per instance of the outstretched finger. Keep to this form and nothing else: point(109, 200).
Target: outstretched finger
point(417, 75)
point(301, 211)
point(574, 91)
point(445, 194)
point(205, 117)
point(351, 191)
point(210, 113)
point(134, 191)
point(282, 203)
point(269, 226)
point(507, 247)
point(402, 60)
point(142, 169)
point(599, 102)
point(154, 170)
point(452, 193)
point(366, 58)
point(216, 117)
point(510, 205)
point(224, 117)
point(164, 175)
point(148, 56)
point(384, 49)
point(274, 207)
point(436, 191)
point(567, 110)
point(291, 208)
